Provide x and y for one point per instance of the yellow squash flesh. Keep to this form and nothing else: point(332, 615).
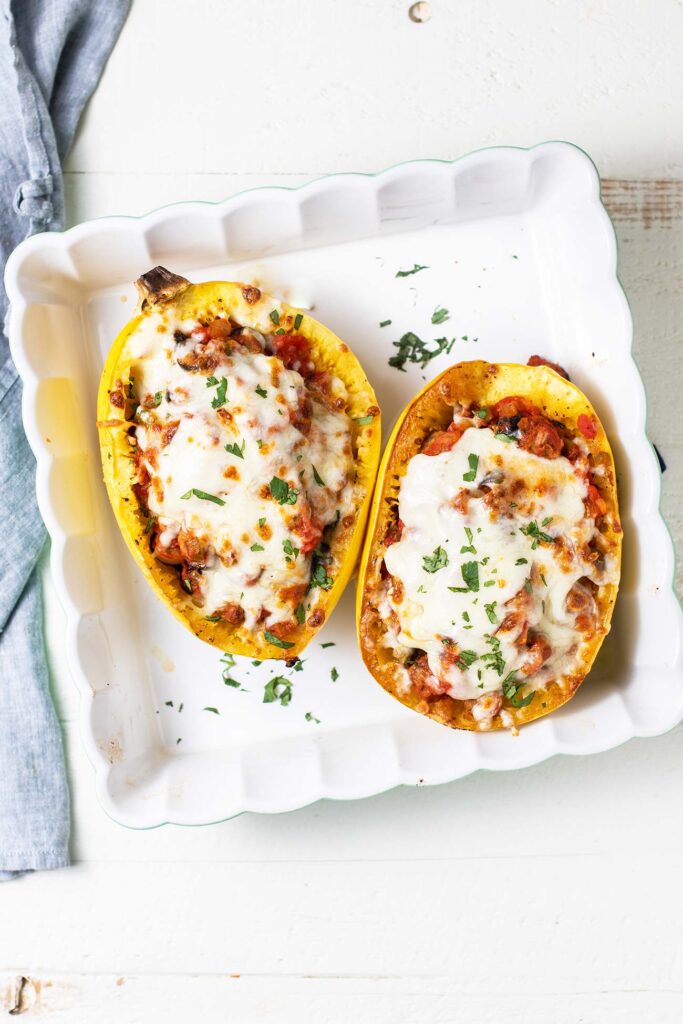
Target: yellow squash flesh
point(205, 301)
point(481, 384)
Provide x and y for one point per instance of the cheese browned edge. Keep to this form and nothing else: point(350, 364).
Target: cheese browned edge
point(246, 304)
point(480, 384)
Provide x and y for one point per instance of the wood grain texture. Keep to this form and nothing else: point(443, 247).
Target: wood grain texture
point(354, 919)
point(215, 999)
point(285, 86)
point(648, 218)
point(450, 824)
point(546, 895)
point(650, 203)
point(297, 903)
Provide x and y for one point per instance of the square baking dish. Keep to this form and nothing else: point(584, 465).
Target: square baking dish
point(522, 253)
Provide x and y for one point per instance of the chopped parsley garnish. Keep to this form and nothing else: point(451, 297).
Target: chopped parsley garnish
point(481, 413)
point(509, 684)
point(278, 688)
point(317, 477)
point(300, 614)
point(276, 641)
point(544, 580)
point(465, 659)
point(469, 548)
point(504, 437)
point(471, 474)
point(490, 583)
point(257, 547)
point(310, 717)
point(236, 449)
point(527, 585)
point(297, 321)
point(470, 574)
point(168, 703)
point(228, 662)
point(195, 492)
point(319, 578)
point(221, 392)
point(548, 519)
point(417, 267)
point(282, 492)
point(280, 330)
point(289, 548)
point(490, 610)
point(261, 391)
point(437, 560)
point(522, 561)
point(157, 399)
point(440, 315)
point(262, 521)
point(330, 643)
point(212, 618)
point(466, 616)
point(211, 381)
point(214, 711)
point(259, 443)
point(334, 675)
point(493, 658)
point(412, 349)
point(363, 421)
point(533, 531)
point(274, 316)
point(384, 323)
point(511, 688)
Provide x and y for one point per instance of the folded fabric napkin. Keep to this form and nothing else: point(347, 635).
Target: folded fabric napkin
point(51, 56)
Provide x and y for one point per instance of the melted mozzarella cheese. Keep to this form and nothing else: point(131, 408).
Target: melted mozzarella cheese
point(482, 559)
point(249, 534)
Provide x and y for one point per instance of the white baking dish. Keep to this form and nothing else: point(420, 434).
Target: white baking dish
point(522, 253)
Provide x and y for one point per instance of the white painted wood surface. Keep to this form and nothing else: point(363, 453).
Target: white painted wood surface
point(547, 895)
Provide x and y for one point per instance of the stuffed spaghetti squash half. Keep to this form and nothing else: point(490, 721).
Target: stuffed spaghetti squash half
point(492, 559)
point(240, 442)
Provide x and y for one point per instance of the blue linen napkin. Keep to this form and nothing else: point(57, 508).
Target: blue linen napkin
point(51, 56)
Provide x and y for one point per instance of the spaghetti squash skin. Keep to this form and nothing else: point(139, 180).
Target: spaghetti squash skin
point(423, 429)
point(165, 295)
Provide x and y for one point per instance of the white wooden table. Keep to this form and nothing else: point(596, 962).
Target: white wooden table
point(548, 896)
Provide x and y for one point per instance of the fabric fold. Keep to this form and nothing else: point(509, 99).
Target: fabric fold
point(51, 57)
